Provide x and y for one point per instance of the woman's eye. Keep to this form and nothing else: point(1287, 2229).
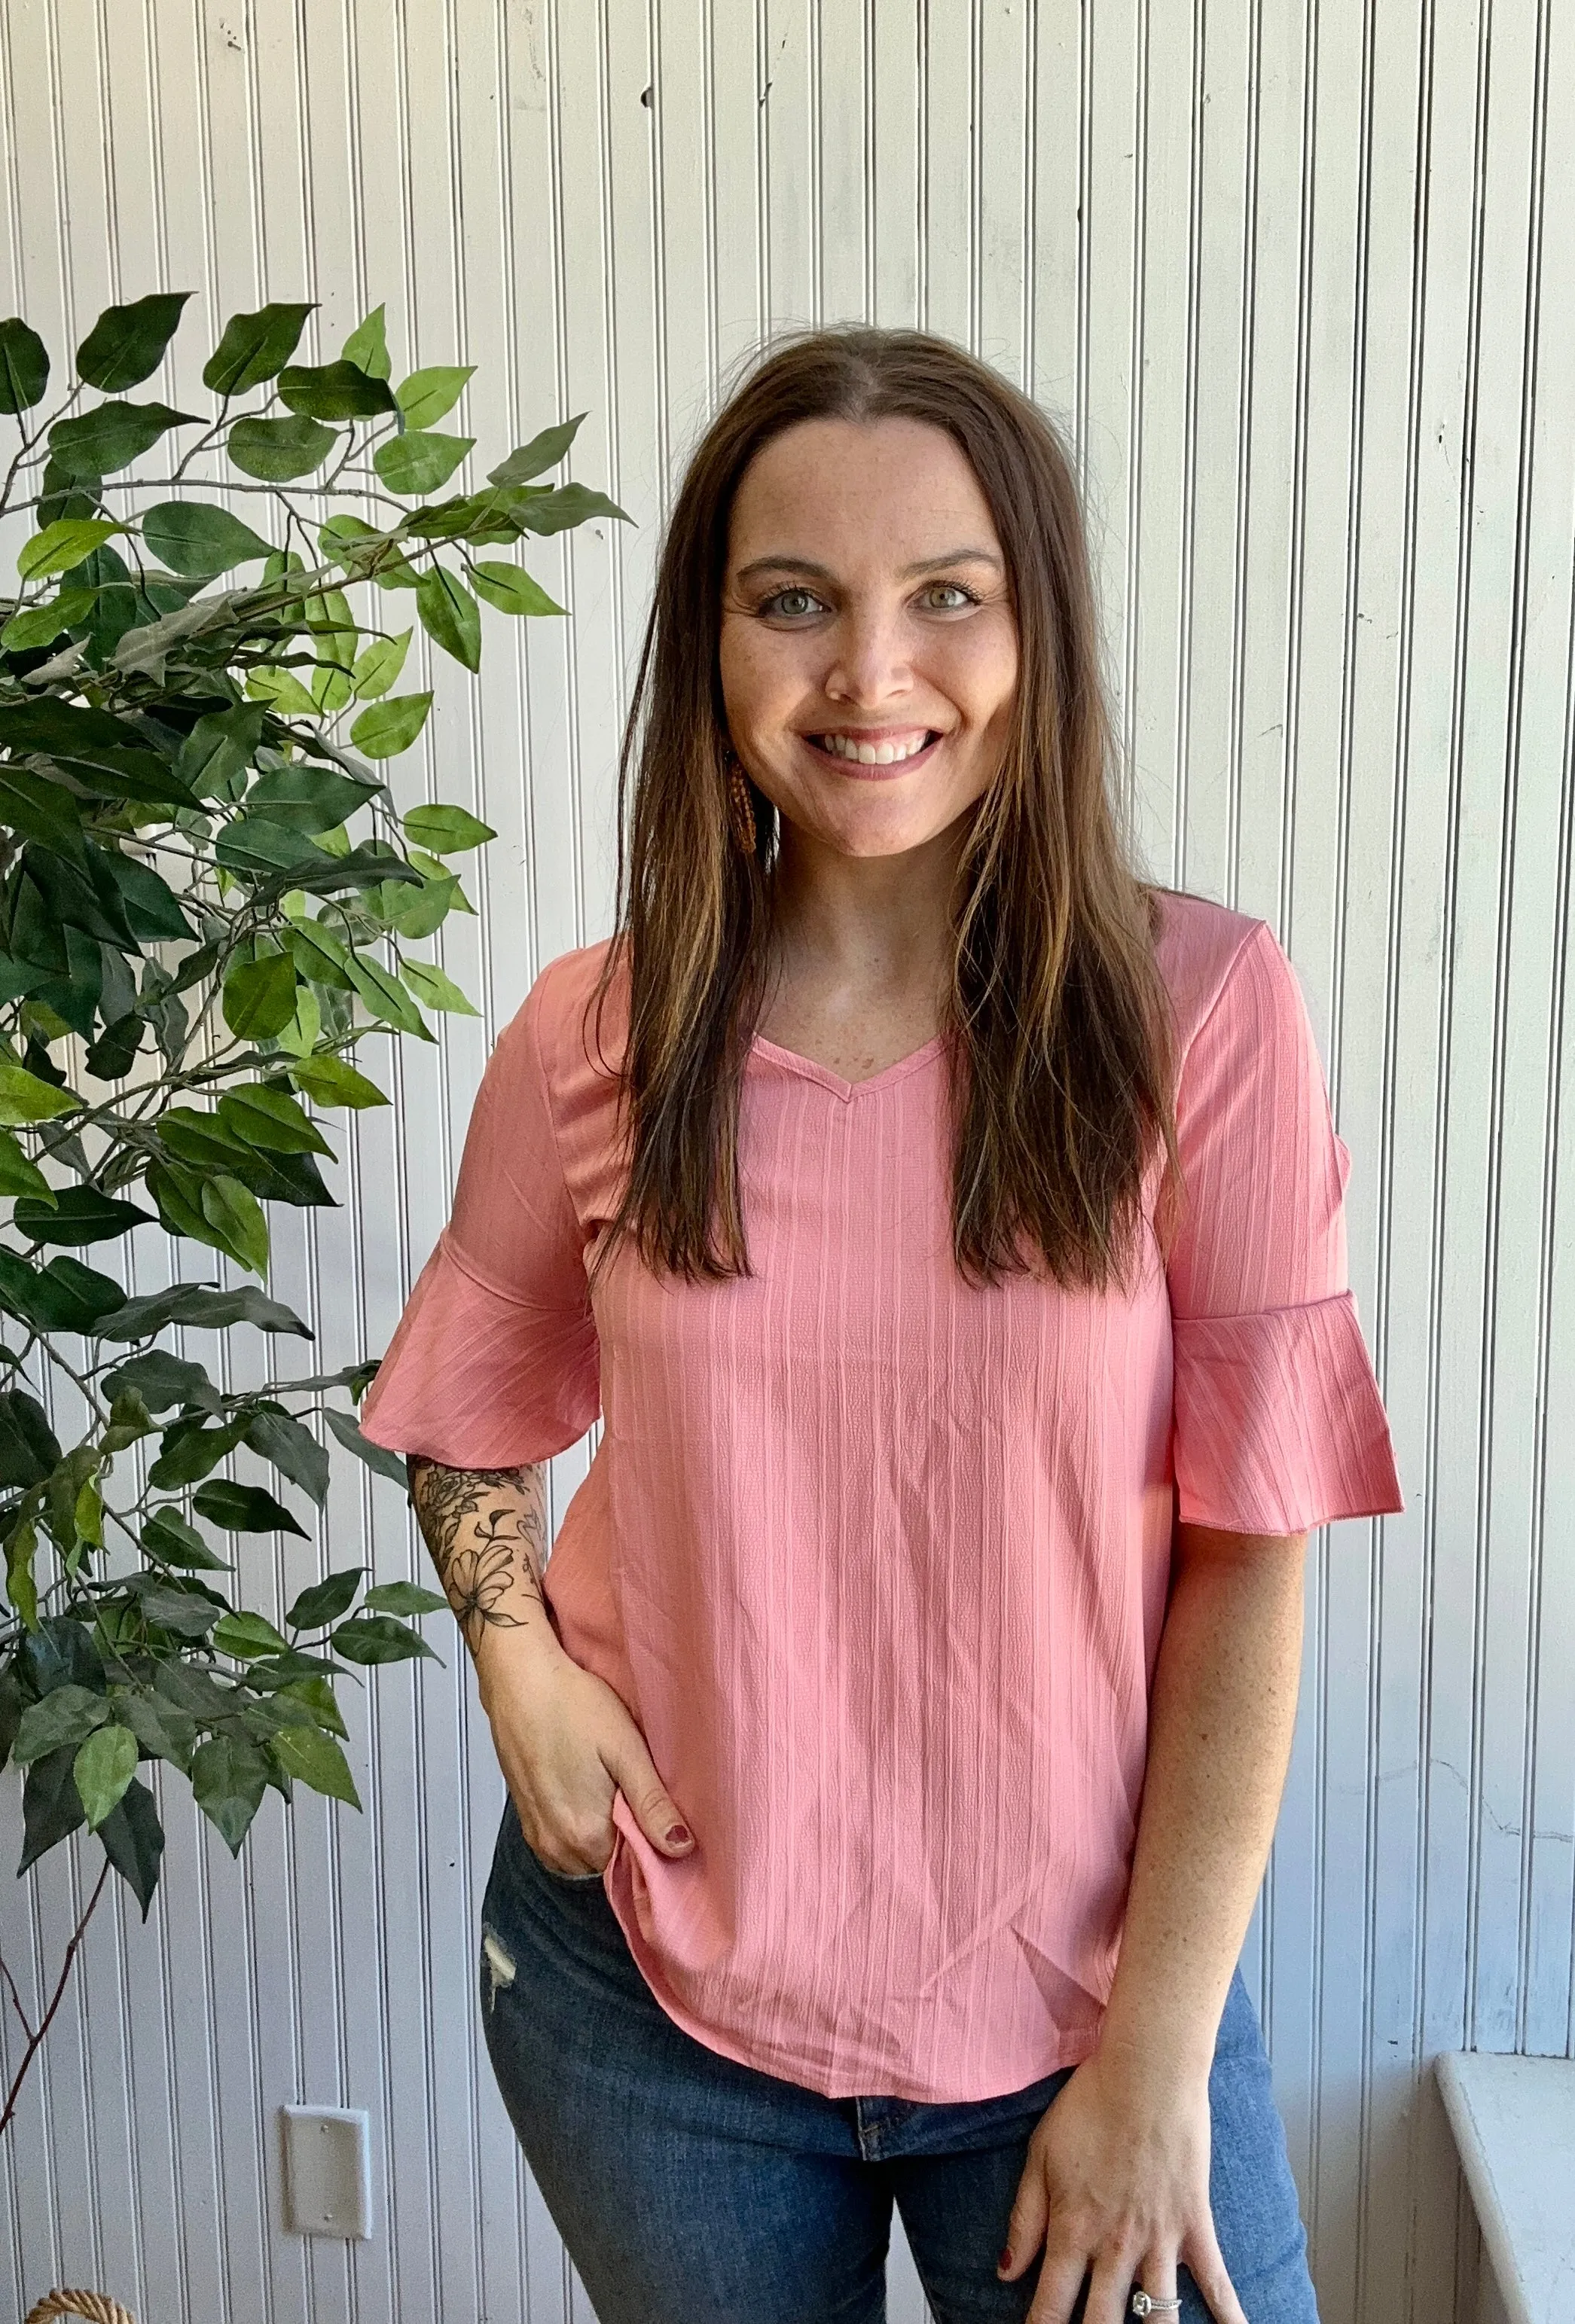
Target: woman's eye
point(948, 597)
point(794, 604)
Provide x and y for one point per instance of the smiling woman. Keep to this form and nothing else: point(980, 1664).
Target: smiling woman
point(948, 1227)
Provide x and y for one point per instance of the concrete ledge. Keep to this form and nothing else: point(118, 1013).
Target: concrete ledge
point(1514, 2120)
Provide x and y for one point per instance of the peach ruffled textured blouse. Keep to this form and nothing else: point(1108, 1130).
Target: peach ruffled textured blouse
point(878, 1560)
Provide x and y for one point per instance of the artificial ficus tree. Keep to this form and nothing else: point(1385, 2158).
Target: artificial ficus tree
point(208, 903)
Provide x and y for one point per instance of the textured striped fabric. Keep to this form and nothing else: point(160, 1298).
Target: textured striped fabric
point(878, 1560)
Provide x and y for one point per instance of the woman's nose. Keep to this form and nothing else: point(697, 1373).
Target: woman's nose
point(870, 658)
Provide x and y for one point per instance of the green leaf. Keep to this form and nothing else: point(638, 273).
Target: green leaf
point(315, 1694)
point(168, 1540)
point(449, 616)
point(293, 1450)
point(11, 1709)
point(99, 442)
point(60, 1721)
point(319, 955)
point(21, 1545)
point(439, 991)
point(376, 1456)
point(244, 1635)
point(163, 1380)
point(560, 510)
point(376, 670)
point(416, 912)
point(418, 461)
point(104, 1766)
point(29, 1448)
point(189, 1450)
point(235, 1218)
point(542, 452)
point(78, 1215)
point(330, 1080)
point(367, 345)
point(276, 451)
point(62, 545)
point(186, 1609)
point(133, 1839)
point(228, 1777)
point(511, 588)
point(129, 1422)
point(37, 808)
point(314, 1758)
point(379, 1638)
point(426, 395)
point(243, 1508)
point(24, 1098)
point(386, 998)
point(193, 1302)
point(445, 830)
point(25, 366)
point(63, 1297)
point(283, 690)
point(254, 347)
point(126, 345)
point(271, 1119)
point(326, 1600)
point(336, 391)
point(52, 1805)
point(218, 749)
point(40, 625)
point(160, 1727)
point(258, 846)
point(18, 1176)
point(199, 539)
point(259, 996)
point(308, 798)
point(404, 1598)
point(389, 727)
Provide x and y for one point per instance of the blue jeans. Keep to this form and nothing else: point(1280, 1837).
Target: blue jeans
point(691, 2189)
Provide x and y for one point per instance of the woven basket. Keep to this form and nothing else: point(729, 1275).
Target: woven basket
point(96, 2307)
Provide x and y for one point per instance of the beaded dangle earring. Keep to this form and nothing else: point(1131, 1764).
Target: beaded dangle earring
point(740, 806)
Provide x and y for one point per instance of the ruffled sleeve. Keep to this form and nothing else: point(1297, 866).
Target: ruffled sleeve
point(495, 1363)
point(1278, 1421)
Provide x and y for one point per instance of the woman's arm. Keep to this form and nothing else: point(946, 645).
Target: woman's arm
point(566, 1742)
point(486, 1529)
point(1117, 2173)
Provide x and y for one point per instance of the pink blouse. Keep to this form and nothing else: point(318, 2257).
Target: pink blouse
point(878, 1558)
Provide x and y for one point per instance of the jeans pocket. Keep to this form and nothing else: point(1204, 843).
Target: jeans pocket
point(562, 1879)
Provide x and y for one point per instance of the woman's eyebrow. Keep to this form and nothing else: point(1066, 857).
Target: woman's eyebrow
point(824, 572)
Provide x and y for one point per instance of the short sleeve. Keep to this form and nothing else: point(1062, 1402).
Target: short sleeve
point(495, 1361)
point(1278, 1422)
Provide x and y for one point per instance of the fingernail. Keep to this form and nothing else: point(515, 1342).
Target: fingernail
point(679, 1836)
point(1005, 2259)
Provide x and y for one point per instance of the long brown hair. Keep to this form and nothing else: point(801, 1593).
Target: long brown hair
point(1061, 1047)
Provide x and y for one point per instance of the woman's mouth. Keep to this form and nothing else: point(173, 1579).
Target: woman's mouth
point(877, 755)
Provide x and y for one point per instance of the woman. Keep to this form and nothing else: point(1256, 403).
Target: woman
point(948, 1228)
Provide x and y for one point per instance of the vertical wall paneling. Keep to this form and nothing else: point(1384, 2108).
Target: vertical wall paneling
point(1297, 285)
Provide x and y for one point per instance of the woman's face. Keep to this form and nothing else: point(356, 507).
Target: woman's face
point(869, 644)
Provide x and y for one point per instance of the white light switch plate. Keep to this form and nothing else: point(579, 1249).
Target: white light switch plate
point(328, 2169)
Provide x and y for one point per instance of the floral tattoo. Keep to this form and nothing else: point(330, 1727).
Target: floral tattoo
point(504, 1548)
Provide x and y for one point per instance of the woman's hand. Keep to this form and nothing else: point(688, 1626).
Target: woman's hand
point(1117, 2185)
point(566, 1743)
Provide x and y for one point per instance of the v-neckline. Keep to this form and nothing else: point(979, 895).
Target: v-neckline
point(847, 1090)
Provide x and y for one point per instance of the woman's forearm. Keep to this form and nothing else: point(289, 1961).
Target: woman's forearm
point(1220, 1722)
point(486, 1529)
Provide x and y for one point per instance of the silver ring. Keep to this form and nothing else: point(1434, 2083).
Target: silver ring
point(1144, 2303)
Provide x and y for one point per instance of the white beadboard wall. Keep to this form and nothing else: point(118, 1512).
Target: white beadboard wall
point(1299, 281)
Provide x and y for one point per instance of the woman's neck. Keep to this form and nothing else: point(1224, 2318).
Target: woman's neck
point(861, 950)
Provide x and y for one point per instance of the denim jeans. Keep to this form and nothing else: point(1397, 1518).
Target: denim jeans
point(691, 2189)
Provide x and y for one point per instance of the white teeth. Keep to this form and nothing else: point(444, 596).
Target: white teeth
point(871, 755)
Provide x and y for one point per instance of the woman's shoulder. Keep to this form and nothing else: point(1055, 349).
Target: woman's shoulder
point(1200, 946)
point(568, 1023)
